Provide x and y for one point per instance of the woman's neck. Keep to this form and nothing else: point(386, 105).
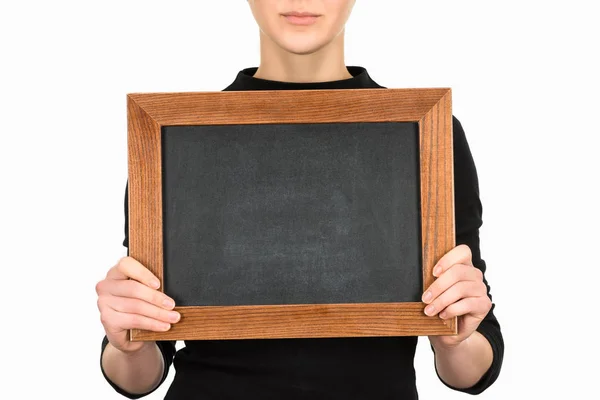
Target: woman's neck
point(325, 64)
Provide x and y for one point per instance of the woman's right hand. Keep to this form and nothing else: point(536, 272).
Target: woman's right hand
point(128, 299)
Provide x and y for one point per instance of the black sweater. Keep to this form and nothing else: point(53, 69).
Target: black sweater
point(338, 368)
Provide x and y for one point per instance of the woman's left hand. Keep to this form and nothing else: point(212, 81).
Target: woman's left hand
point(459, 290)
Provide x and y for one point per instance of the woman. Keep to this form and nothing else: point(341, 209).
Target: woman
point(302, 47)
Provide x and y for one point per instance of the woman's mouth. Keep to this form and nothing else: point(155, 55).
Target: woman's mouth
point(296, 18)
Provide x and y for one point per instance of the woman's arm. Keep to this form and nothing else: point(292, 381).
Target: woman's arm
point(134, 369)
point(465, 364)
point(128, 298)
point(470, 361)
point(138, 372)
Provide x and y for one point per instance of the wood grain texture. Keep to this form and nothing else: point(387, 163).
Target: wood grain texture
point(145, 189)
point(437, 185)
point(301, 321)
point(289, 106)
point(431, 108)
point(437, 189)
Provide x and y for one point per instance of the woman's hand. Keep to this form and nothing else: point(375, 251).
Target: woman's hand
point(128, 299)
point(459, 290)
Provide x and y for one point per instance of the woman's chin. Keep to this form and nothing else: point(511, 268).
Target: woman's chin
point(301, 45)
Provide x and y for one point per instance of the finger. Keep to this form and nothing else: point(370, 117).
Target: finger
point(140, 307)
point(461, 254)
point(115, 321)
point(135, 290)
point(128, 267)
point(457, 292)
point(478, 306)
point(459, 272)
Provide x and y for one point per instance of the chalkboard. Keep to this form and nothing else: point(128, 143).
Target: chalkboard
point(292, 214)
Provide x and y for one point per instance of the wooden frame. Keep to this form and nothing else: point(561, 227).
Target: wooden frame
point(430, 108)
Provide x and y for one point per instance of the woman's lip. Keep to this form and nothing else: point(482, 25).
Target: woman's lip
point(300, 14)
point(301, 20)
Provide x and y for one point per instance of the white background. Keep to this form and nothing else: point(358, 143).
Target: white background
point(525, 86)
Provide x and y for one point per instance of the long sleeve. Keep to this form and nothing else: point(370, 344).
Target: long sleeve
point(167, 347)
point(468, 220)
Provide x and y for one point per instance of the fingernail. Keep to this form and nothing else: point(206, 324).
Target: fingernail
point(166, 327)
point(155, 283)
point(169, 303)
point(443, 315)
point(427, 296)
point(437, 270)
point(429, 309)
point(174, 316)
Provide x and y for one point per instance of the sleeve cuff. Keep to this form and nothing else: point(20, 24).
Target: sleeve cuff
point(122, 392)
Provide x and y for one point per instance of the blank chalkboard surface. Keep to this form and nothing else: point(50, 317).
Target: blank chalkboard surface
point(291, 214)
